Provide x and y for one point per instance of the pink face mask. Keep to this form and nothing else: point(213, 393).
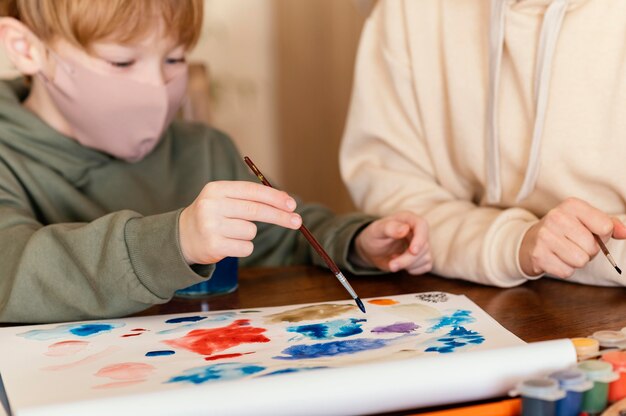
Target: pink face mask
point(122, 117)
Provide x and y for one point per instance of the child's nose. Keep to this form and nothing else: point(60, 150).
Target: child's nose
point(156, 76)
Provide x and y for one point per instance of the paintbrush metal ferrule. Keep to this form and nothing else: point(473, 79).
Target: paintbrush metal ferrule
point(342, 279)
point(613, 263)
point(607, 253)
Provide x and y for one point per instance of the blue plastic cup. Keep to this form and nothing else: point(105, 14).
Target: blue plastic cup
point(224, 280)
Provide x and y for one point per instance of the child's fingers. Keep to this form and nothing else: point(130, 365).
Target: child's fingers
point(236, 248)
point(238, 229)
point(250, 191)
point(225, 247)
point(255, 211)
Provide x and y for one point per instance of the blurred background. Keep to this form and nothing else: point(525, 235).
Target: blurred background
point(276, 75)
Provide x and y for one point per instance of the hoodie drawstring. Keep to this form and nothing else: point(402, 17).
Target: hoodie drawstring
point(550, 30)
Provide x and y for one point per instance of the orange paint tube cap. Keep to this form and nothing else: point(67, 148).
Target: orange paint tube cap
point(586, 347)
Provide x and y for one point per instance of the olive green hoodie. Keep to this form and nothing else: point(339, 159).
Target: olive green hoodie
point(85, 235)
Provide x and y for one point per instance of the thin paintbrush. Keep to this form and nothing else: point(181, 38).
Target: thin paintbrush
point(606, 253)
point(317, 246)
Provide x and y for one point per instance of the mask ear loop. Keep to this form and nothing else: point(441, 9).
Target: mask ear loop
point(50, 53)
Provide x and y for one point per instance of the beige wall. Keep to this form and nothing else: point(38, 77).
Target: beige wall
point(317, 42)
point(238, 46)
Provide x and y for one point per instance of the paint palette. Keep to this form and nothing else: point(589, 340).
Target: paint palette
point(48, 368)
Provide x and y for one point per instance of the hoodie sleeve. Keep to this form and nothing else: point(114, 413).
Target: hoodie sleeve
point(388, 166)
point(116, 265)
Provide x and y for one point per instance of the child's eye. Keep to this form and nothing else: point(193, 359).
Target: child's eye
point(121, 64)
point(175, 60)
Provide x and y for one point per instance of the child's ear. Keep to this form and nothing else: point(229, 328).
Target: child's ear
point(22, 47)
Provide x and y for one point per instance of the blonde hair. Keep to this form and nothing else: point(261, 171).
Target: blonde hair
point(83, 22)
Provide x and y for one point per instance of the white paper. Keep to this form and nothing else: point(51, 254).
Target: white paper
point(48, 370)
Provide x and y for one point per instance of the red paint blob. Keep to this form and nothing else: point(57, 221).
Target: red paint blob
point(130, 335)
point(220, 356)
point(138, 329)
point(208, 341)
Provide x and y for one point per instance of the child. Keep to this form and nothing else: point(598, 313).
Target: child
point(502, 122)
point(106, 205)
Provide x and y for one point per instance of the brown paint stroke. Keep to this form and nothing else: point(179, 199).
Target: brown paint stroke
point(311, 313)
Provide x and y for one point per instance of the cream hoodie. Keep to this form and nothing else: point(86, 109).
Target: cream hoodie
point(484, 115)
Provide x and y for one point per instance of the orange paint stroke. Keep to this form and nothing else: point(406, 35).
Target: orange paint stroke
point(382, 302)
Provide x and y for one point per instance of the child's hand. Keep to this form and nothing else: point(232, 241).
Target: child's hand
point(219, 223)
point(563, 241)
point(396, 242)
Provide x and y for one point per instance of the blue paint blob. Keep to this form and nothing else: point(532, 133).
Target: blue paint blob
point(195, 321)
point(86, 330)
point(330, 349)
point(215, 372)
point(292, 370)
point(314, 331)
point(185, 319)
point(341, 328)
point(160, 353)
point(65, 330)
point(457, 337)
point(458, 318)
point(349, 329)
point(397, 328)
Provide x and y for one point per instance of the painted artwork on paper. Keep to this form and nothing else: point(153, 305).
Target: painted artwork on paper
point(87, 360)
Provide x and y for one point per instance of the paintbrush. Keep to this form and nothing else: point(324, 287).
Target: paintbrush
point(606, 253)
point(311, 239)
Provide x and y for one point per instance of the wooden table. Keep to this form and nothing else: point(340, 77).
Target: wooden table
point(538, 310)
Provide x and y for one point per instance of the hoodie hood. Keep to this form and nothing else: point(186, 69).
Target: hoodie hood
point(553, 12)
point(25, 133)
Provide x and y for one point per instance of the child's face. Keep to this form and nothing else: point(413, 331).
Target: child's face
point(114, 97)
point(154, 60)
